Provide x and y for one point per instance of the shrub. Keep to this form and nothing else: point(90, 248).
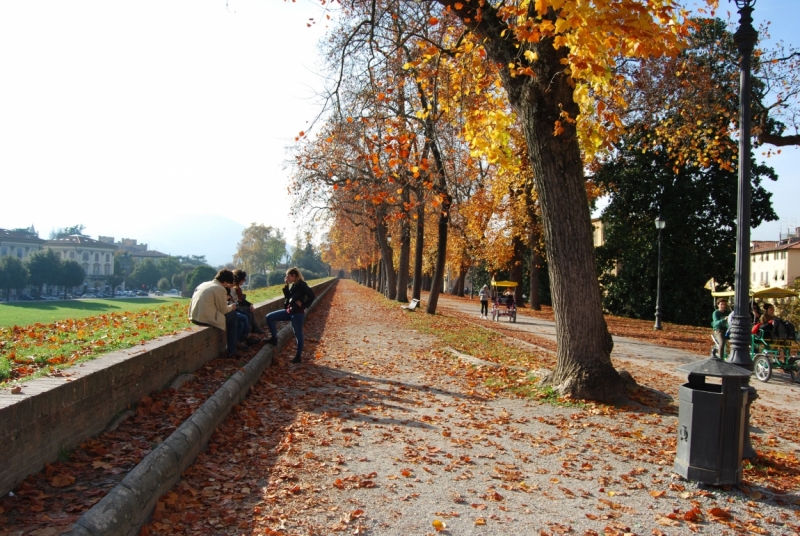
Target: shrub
point(258, 281)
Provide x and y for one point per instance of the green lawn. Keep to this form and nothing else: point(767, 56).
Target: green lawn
point(45, 312)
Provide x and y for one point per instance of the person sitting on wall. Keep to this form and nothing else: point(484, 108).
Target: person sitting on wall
point(210, 307)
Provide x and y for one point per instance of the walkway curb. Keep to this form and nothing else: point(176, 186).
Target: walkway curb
point(128, 506)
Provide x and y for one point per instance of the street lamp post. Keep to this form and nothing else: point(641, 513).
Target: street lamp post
point(660, 224)
point(745, 38)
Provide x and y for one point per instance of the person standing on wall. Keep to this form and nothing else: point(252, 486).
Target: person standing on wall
point(210, 307)
point(297, 297)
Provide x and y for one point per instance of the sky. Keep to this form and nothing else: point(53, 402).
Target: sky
point(136, 118)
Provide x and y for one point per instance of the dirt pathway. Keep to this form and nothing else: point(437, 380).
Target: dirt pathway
point(381, 432)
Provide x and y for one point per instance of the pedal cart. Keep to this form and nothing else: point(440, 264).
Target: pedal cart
point(502, 304)
point(778, 349)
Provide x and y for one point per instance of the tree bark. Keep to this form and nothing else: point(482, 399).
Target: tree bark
point(389, 279)
point(516, 266)
point(535, 266)
point(583, 368)
point(416, 291)
point(405, 252)
point(441, 256)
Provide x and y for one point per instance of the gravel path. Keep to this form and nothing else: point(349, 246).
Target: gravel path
point(383, 432)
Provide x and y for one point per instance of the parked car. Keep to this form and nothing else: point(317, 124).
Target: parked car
point(25, 297)
point(158, 293)
point(141, 293)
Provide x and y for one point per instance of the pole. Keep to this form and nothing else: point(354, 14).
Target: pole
point(657, 325)
point(745, 38)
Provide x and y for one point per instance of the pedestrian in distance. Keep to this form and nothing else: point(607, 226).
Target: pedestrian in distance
point(297, 297)
point(210, 307)
point(483, 295)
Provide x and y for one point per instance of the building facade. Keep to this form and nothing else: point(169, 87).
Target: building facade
point(96, 257)
point(775, 263)
point(19, 243)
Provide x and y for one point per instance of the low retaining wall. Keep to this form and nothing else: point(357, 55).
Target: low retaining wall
point(55, 414)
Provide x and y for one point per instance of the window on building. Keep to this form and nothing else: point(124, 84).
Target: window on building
point(783, 275)
point(108, 257)
point(72, 255)
point(107, 269)
point(86, 267)
point(762, 256)
point(783, 255)
point(85, 256)
point(96, 257)
point(96, 269)
point(4, 250)
point(20, 253)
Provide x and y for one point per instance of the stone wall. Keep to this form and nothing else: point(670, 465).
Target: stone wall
point(56, 414)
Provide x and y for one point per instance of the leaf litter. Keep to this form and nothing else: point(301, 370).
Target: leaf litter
point(383, 432)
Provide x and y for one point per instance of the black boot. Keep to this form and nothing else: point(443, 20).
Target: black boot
point(296, 360)
point(272, 341)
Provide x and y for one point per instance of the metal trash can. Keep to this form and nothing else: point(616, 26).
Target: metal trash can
point(711, 422)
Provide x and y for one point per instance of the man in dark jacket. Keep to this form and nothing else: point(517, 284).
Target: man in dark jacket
point(297, 296)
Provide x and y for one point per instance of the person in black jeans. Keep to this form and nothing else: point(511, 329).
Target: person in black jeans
point(297, 296)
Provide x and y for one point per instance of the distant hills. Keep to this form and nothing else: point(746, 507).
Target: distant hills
point(213, 236)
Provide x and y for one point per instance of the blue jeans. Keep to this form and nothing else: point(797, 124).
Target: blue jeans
point(241, 318)
point(233, 330)
point(297, 325)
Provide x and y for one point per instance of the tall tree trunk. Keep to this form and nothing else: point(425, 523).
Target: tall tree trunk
point(458, 290)
point(441, 255)
point(389, 281)
point(535, 267)
point(416, 291)
point(583, 366)
point(516, 266)
point(405, 252)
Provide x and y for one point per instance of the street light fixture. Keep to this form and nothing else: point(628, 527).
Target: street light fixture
point(660, 224)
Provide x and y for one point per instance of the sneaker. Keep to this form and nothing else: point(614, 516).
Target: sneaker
point(251, 341)
point(272, 341)
point(296, 360)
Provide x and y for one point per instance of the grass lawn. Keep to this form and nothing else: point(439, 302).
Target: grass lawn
point(44, 337)
point(45, 312)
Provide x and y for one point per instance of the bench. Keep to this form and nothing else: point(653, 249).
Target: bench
point(411, 306)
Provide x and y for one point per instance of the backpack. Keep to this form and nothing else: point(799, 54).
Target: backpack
point(784, 330)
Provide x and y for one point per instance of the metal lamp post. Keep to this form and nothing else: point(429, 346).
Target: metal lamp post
point(660, 224)
point(745, 38)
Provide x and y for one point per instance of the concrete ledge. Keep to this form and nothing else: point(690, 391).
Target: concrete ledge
point(53, 414)
point(129, 505)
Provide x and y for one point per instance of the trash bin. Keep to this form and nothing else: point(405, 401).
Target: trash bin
point(711, 423)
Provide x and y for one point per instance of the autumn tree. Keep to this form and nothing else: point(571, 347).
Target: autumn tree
point(260, 249)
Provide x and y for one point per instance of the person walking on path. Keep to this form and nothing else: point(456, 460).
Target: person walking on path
point(483, 294)
point(297, 297)
point(210, 307)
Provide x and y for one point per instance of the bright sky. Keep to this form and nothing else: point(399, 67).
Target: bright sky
point(126, 116)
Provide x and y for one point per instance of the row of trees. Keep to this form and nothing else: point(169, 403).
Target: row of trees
point(41, 268)
point(480, 120)
point(263, 248)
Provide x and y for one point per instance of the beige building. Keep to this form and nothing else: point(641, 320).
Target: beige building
point(598, 232)
point(775, 263)
point(96, 257)
point(19, 243)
